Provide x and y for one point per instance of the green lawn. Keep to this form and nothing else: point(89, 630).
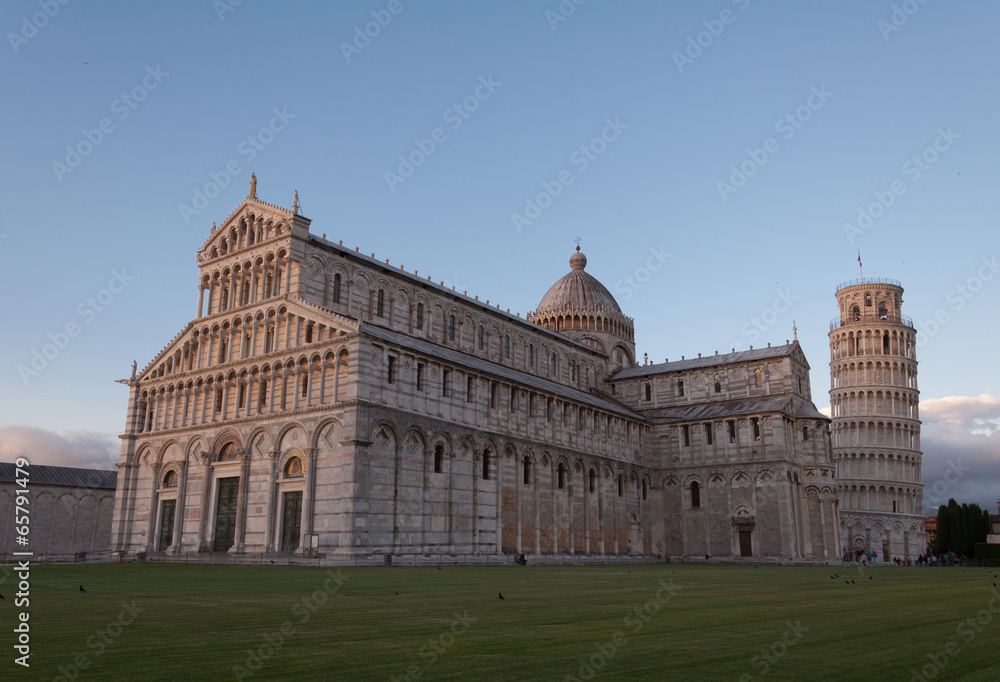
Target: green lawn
point(196, 622)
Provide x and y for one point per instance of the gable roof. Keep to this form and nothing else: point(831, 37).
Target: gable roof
point(40, 474)
point(756, 354)
point(487, 367)
point(463, 297)
point(732, 408)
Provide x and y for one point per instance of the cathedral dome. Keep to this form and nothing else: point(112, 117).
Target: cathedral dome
point(580, 306)
point(577, 291)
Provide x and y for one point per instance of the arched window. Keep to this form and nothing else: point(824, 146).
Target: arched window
point(758, 377)
point(805, 433)
point(228, 452)
point(480, 335)
point(621, 485)
point(531, 355)
point(527, 470)
point(680, 387)
point(420, 316)
point(555, 360)
point(293, 467)
point(593, 481)
point(643, 489)
point(336, 288)
point(438, 457)
point(718, 384)
point(170, 480)
point(856, 312)
point(506, 346)
point(486, 465)
point(380, 304)
point(649, 392)
point(868, 300)
point(695, 495)
point(561, 476)
point(451, 327)
point(882, 312)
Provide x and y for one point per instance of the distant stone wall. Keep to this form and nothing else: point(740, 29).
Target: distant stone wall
point(63, 519)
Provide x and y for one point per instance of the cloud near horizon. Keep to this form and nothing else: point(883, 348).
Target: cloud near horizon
point(82, 449)
point(960, 438)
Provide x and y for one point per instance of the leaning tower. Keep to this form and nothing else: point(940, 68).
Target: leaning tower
point(876, 424)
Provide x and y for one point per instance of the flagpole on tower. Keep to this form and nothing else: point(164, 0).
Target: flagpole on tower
point(860, 266)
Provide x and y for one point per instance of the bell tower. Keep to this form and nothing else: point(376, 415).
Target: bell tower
point(876, 421)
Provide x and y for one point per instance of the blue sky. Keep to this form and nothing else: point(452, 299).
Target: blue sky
point(623, 119)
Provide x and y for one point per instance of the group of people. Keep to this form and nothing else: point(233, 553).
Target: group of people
point(866, 557)
point(860, 556)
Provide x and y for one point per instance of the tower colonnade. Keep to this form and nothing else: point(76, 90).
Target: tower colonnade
point(874, 402)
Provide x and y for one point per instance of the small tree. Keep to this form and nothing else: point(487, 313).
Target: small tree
point(943, 542)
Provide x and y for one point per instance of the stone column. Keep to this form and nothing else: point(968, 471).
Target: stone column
point(477, 463)
point(204, 545)
point(586, 508)
point(518, 485)
point(571, 520)
point(600, 512)
point(239, 544)
point(538, 517)
point(449, 463)
point(154, 513)
point(336, 378)
point(150, 411)
point(554, 494)
point(201, 299)
point(270, 508)
point(499, 503)
point(806, 525)
point(309, 497)
point(177, 546)
point(824, 533)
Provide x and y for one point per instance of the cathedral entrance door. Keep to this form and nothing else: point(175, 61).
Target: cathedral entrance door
point(225, 514)
point(746, 543)
point(167, 511)
point(291, 522)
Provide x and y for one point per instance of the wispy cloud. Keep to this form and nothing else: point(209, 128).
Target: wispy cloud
point(82, 449)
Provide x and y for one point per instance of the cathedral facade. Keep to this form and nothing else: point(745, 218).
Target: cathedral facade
point(324, 402)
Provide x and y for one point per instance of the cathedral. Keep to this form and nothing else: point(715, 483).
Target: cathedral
point(323, 402)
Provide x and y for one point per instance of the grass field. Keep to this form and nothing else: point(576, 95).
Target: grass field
point(665, 622)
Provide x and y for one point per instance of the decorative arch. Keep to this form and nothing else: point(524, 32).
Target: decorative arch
point(228, 436)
